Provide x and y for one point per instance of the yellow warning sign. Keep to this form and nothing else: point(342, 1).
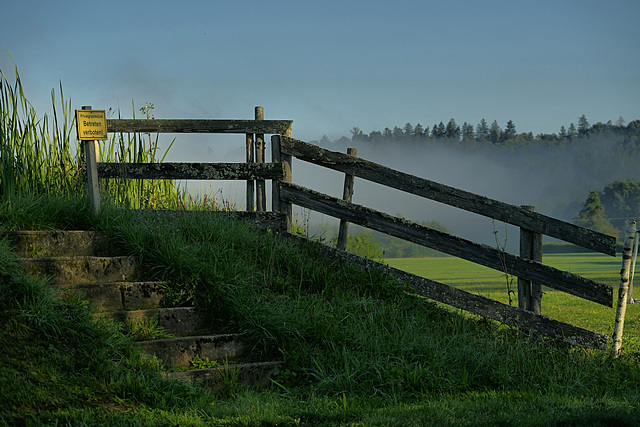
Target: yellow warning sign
point(91, 124)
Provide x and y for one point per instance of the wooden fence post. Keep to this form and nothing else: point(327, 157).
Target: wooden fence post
point(250, 183)
point(277, 204)
point(260, 185)
point(347, 194)
point(623, 290)
point(91, 156)
point(530, 294)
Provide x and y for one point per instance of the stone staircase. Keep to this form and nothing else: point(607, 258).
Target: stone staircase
point(82, 261)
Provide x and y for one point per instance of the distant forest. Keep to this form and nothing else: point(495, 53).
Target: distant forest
point(485, 133)
point(570, 163)
point(567, 165)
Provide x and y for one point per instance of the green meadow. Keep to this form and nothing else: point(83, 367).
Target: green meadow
point(558, 305)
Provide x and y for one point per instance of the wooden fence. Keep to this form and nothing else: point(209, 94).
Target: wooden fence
point(255, 171)
point(531, 273)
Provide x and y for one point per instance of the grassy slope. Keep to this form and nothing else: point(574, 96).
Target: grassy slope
point(555, 304)
point(356, 348)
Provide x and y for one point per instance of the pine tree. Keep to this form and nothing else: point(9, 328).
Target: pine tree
point(408, 130)
point(495, 132)
point(452, 131)
point(398, 133)
point(438, 131)
point(468, 134)
point(482, 131)
point(583, 126)
point(418, 131)
point(592, 216)
point(563, 132)
point(509, 131)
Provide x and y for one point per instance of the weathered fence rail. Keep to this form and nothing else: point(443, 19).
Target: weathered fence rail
point(201, 171)
point(200, 126)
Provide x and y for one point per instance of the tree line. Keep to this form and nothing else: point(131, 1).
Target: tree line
point(598, 162)
point(493, 133)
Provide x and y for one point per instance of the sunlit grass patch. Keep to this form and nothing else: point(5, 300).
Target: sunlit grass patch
point(555, 304)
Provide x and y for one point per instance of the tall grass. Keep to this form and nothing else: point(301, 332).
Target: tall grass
point(354, 341)
point(41, 155)
point(34, 157)
point(344, 330)
point(137, 148)
point(356, 348)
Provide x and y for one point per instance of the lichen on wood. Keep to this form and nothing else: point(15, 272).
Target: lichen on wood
point(199, 171)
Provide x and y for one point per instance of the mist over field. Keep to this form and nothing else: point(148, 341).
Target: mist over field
point(555, 178)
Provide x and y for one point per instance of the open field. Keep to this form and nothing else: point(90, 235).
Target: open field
point(555, 304)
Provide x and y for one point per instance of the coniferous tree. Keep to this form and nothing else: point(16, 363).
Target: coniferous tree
point(468, 134)
point(563, 133)
point(583, 126)
point(408, 130)
point(509, 131)
point(482, 131)
point(438, 131)
point(495, 132)
point(592, 216)
point(452, 131)
point(398, 133)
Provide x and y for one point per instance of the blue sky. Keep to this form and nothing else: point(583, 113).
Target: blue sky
point(333, 65)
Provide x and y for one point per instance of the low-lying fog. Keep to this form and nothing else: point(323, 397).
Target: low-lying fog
point(556, 180)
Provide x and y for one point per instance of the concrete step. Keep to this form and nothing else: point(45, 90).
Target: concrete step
point(180, 352)
point(174, 320)
point(78, 261)
point(83, 269)
point(54, 243)
point(255, 374)
point(118, 296)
